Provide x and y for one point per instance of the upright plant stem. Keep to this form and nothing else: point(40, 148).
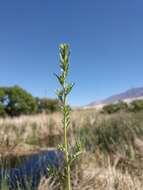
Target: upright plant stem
point(62, 94)
point(68, 181)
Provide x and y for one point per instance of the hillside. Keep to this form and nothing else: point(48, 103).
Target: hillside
point(127, 96)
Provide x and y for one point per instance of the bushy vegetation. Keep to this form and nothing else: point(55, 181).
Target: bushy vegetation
point(47, 105)
point(113, 108)
point(134, 106)
point(15, 101)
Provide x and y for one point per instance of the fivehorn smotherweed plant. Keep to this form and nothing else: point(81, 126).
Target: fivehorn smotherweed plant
point(62, 94)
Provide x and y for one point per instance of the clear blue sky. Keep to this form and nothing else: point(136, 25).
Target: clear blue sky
point(105, 36)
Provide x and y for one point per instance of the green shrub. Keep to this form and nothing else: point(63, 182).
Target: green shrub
point(2, 110)
point(47, 105)
point(2, 106)
point(19, 101)
point(113, 108)
point(15, 101)
point(136, 105)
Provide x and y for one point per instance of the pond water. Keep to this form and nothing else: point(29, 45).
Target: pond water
point(19, 171)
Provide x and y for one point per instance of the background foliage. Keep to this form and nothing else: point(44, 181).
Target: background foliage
point(15, 101)
point(134, 106)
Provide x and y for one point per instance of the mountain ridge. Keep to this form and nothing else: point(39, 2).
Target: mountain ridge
point(127, 96)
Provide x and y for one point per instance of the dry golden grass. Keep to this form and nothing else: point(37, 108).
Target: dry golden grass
point(93, 177)
point(34, 129)
point(95, 170)
point(27, 129)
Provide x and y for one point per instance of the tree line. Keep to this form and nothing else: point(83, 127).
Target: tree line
point(15, 101)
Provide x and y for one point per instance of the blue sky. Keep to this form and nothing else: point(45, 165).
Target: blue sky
point(105, 36)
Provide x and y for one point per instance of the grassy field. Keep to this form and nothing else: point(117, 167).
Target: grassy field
point(112, 157)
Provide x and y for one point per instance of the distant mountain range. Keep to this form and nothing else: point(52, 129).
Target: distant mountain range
point(127, 96)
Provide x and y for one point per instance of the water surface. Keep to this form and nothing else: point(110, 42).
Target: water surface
point(27, 171)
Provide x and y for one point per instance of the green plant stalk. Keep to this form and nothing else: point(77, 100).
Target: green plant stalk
point(62, 94)
point(68, 181)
